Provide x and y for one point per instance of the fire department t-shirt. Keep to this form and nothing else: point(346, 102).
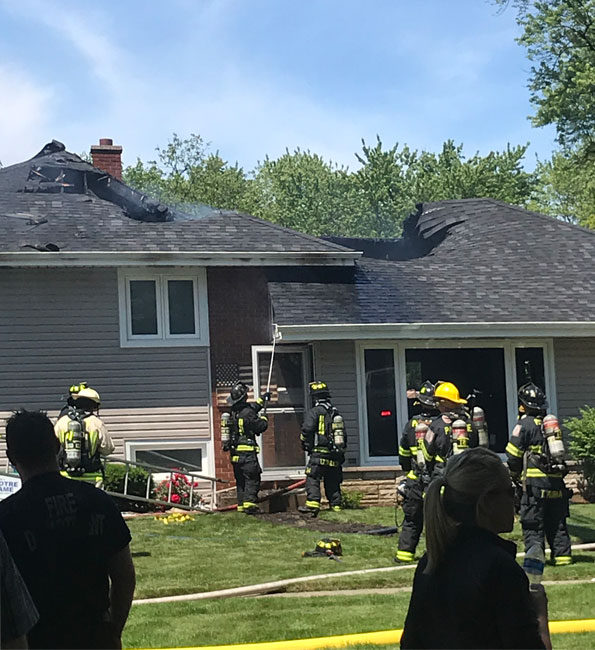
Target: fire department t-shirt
point(61, 533)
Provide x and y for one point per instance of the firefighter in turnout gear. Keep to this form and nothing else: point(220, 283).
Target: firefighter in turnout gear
point(536, 457)
point(414, 463)
point(452, 432)
point(83, 437)
point(238, 435)
point(323, 438)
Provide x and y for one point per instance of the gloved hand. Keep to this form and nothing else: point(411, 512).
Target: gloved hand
point(267, 396)
point(306, 447)
point(226, 447)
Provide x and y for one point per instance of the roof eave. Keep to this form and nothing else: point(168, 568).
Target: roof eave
point(178, 258)
point(427, 331)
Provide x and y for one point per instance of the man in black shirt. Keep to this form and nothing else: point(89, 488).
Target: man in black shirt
point(69, 542)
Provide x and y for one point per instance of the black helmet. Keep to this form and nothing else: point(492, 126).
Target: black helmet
point(532, 397)
point(238, 393)
point(425, 394)
point(319, 390)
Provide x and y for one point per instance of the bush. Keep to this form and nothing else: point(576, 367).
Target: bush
point(352, 500)
point(582, 448)
point(137, 479)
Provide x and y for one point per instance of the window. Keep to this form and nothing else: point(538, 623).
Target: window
point(379, 366)
point(184, 455)
point(163, 308)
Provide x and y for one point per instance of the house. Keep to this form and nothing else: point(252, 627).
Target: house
point(157, 309)
point(162, 311)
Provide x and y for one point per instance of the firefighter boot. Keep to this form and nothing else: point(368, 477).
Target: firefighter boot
point(313, 512)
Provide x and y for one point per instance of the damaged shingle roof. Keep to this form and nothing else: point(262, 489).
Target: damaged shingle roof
point(58, 202)
point(487, 262)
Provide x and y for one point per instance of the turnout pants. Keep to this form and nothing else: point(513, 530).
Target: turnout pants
point(543, 516)
point(413, 509)
point(246, 470)
point(332, 478)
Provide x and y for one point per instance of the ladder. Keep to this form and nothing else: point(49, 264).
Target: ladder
point(199, 499)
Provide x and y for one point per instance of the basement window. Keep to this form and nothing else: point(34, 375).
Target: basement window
point(162, 309)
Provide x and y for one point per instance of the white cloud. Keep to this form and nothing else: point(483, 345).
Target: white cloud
point(25, 115)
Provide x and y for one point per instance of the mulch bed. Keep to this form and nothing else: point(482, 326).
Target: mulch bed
point(307, 523)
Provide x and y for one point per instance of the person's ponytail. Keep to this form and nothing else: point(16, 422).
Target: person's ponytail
point(440, 528)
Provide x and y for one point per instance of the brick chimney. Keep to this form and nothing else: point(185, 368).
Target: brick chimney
point(108, 157)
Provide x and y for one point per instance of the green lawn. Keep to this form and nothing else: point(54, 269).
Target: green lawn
point(220, 551)
point(229, 550)
point(250, 620)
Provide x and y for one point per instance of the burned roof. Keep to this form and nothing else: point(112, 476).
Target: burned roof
point(472, 260)
point(57, 202)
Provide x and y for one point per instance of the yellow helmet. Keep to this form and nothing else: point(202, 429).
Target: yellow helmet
point(447, 390)
point(88, 393)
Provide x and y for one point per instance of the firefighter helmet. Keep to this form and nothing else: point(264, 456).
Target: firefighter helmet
point(238, 393)
point(319, 390)
point(532, 397)
point(426, 393)
point(87, 393)
point(448, 391)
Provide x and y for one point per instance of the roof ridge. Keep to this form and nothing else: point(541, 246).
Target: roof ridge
point(541, 215)
point(277, 226)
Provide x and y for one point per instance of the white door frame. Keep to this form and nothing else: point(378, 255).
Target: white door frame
point(399, 347)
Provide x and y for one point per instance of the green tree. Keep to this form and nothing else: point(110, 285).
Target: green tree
point(301, 190)
point(186, 172)
point(566, 188)
point(559, 36)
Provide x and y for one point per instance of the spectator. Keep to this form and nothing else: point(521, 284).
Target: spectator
point(468, 590)
point(18, 611)
point(69, 541)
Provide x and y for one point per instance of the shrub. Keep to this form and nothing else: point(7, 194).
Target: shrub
point(137, 479)
point(582, 448)
point(352, 500)
point(137, 485)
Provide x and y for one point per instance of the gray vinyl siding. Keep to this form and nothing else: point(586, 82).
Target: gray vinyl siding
point(58, 326)
point(575, 374)
point(335, 364)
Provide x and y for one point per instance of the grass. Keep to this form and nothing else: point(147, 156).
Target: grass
point(250, 620)
point(229, 550)
point(221, 551)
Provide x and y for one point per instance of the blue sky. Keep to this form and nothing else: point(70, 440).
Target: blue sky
point(256, 76)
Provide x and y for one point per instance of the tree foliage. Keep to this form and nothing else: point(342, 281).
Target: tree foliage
point(559, 36)
point(303, 191)
point(566, 188)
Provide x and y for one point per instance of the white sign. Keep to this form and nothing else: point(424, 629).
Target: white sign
point(9, 485)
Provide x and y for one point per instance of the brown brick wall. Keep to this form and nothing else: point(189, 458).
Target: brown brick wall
point(239, 317)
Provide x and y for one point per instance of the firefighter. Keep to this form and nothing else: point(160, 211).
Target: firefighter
point(238, 432)
point(418, 477)
point(451, 432)
point(323, 438)
point(83, 437)
point(536, 457)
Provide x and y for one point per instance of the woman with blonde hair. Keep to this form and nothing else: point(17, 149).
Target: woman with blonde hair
point(468, 590)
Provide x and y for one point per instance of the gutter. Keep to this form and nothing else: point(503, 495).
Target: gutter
point(436, 331)
point(178, 258)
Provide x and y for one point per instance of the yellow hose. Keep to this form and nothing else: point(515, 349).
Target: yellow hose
point(378, 638)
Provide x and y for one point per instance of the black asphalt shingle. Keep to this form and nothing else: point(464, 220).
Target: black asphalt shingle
point(81, 221)
point(492, 262)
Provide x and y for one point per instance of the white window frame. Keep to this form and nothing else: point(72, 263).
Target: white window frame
point(149, 444)
point(399, 348)
point(163, 338)
point(292, 471)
